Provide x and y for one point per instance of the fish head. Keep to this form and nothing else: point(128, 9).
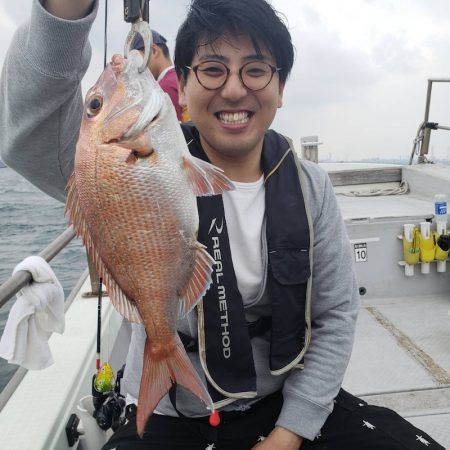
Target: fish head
point(121, 106)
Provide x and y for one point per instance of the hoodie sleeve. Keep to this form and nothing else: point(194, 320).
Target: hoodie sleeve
point(309, 393)
point(41, 101)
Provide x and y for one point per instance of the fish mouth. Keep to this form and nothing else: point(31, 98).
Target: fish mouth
point(138, 147)
point(132, 158)
point(137, 137)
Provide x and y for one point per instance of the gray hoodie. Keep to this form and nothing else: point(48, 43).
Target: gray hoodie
point(40, 113)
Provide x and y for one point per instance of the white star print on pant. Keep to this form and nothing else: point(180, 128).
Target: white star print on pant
point(368, 425)
point(422, 440)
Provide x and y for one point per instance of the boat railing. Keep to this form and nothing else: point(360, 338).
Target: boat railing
point(422, 140)
point(21, 278)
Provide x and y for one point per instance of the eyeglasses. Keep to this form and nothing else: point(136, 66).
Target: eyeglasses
point(255, 75)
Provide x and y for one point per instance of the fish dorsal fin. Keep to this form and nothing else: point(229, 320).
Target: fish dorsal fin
point(205, 178)
point(121, 302)
point(199, 282)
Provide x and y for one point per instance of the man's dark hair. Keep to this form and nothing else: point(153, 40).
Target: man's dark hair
point(209, 20)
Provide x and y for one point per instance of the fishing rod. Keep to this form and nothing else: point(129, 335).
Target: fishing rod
point(99, 304)
point(100, 293)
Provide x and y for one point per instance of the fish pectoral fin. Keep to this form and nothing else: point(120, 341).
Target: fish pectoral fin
point(199, 282)
point(157, 377)
point(205, 178)
point(121, 302)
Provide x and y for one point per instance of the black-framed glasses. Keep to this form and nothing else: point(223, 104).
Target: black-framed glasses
point(254, 75)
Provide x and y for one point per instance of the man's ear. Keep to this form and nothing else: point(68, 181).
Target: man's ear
point(280, 95)
point(156, 51)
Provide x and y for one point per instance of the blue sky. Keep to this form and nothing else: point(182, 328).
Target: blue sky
point(360, 77)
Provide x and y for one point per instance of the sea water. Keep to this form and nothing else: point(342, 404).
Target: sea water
point(29, 221)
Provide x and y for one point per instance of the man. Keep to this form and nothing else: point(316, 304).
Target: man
point(161, 67)
point(276, 327)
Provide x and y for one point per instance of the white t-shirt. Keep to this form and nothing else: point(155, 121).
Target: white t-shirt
point(244, 212)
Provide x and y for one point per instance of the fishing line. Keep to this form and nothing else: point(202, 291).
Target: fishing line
point(100, 287)
point(99, 321)
point(105, 37)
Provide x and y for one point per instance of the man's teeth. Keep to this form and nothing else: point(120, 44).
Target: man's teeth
point(237, 117)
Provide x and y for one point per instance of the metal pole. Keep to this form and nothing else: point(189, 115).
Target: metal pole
point(22, 278)
point(427, 103)
point(427, 131)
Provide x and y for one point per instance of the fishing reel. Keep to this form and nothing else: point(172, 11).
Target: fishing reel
point(108, 415)
point(108, 405)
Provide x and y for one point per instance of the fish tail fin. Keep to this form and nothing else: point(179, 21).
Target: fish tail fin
point(205, 178)
point(157, 378)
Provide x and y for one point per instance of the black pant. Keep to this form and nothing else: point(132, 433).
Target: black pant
point(353, 425)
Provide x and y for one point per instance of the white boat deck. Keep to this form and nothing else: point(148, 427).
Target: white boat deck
point(401, 356)
point(386, 207)
point(401, 360)
point(28, 419)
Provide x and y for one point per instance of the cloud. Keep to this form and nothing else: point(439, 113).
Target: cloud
point(437, 9)
point(7, 28)
point(17, 11)
point(326, 71)
point(359, 80)
point(381, 3)
point(396, 55)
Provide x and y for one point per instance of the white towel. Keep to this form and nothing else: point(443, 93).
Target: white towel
point(37, 312)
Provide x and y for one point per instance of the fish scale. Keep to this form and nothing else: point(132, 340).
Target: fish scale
point(148, 256)
point(132, 199)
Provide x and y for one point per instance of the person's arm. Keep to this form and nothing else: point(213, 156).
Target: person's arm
point(41, 101)
point(68, 9)
point(308, 394)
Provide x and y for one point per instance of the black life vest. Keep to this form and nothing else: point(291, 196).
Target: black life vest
point(224, 341)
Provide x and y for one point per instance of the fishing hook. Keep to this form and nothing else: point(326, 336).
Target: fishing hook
point(140, 27)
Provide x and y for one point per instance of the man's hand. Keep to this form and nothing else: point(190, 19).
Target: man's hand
point(68, 9)
point(280, 439)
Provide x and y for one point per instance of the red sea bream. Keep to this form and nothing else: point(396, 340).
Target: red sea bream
point(132, 199)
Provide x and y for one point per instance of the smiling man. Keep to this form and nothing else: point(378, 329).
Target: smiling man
point(233, 93)
point(273, 334)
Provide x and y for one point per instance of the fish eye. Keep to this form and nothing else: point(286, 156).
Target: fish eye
point(94, 105)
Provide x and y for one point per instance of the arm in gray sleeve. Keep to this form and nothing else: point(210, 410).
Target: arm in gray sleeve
point(309, 393)
point(41, 101)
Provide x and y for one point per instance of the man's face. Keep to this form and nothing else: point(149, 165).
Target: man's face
point(231, 120)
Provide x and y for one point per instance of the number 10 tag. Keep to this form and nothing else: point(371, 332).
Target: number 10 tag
point(360, 252)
